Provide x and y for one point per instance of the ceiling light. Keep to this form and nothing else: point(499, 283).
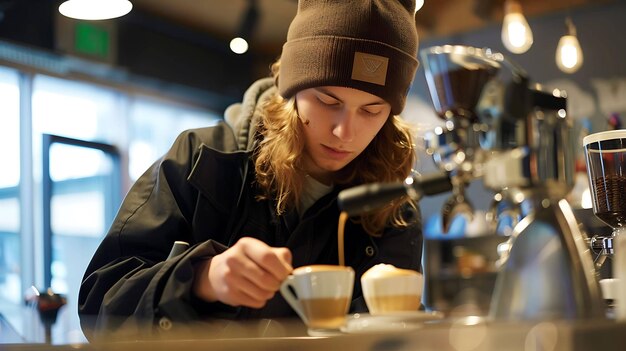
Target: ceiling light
point(569, 55)
point(516, 34)
point(95, 9)
point(239, 45)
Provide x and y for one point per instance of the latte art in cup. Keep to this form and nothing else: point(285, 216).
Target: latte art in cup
point(388, 289)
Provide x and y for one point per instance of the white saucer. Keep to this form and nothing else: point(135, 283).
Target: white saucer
point(397, 321)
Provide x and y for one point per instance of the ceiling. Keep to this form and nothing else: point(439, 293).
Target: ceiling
point(221, 19)
point(183, 43)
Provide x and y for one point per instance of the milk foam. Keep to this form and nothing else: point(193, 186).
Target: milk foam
point(384, 270)
point(386, 279)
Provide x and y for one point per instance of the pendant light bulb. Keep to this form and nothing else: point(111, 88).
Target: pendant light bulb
point(418, 5)
point(516, 34)
point(569, 55)
point(239, 45)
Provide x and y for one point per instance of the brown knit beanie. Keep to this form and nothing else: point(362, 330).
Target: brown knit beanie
point(370, 45)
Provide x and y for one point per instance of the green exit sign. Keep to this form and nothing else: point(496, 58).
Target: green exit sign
point(92, 40)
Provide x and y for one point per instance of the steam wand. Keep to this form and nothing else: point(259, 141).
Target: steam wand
point(367, 197)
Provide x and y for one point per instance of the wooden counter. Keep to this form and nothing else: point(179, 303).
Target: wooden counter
point(459, 335)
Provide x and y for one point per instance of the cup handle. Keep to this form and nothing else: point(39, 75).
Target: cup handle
point(291, 299)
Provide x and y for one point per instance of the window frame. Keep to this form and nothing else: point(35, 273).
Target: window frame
point(114, 197)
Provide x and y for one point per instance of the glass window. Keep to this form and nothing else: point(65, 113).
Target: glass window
point(10, 245)
point(154, 127)
point(81, 198)
point(87, 130)
point(76, 173)
point(9, 128)
point(75, 110)
point(83, 179)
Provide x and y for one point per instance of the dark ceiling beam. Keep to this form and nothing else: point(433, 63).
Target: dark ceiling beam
point(485, 9)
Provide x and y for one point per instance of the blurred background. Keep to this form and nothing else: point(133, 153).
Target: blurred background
point(87, 106)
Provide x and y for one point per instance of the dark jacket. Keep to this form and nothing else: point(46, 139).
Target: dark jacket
point(202, 192)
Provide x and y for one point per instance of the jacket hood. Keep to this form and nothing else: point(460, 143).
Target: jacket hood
point(243, 117)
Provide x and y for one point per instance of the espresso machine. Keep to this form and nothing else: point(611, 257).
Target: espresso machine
point(516, 139)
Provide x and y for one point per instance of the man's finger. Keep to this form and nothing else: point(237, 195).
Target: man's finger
point(240, 298)
point(268, 258)
point(261, 277)
point(285, 255)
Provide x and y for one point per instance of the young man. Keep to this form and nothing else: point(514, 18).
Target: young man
point(255, 196)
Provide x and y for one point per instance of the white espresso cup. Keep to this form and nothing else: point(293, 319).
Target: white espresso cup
point(388, 289)
point(320, 295)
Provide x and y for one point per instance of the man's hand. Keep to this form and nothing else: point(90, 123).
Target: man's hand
point(247, 274)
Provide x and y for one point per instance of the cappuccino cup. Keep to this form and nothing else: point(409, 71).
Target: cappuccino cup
point(388, 289)
point(320, 295)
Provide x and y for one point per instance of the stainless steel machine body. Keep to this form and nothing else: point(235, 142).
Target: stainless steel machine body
point(516, 139)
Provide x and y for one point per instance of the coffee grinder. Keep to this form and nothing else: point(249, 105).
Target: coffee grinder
point(605, 154)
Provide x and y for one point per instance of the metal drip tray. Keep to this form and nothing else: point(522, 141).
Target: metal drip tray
point(460, 274)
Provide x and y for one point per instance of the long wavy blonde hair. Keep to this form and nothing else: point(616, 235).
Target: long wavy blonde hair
point(278, 157)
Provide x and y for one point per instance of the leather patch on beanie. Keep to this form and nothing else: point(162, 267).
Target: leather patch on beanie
point(370, 68)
